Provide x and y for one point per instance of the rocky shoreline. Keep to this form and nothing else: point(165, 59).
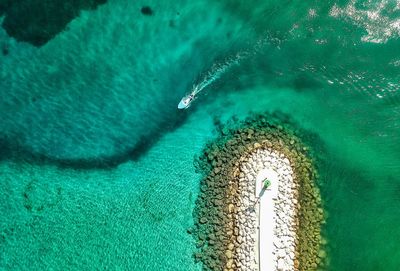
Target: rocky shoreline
point(226, 216)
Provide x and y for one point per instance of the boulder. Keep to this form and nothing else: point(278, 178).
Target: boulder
point(229, 254)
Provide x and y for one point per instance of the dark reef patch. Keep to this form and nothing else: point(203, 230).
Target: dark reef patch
point(38, 21)
point(146, 10)
point(12, 150)
point(4, 5)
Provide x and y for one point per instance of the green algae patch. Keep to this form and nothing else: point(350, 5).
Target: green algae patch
point(216, 228)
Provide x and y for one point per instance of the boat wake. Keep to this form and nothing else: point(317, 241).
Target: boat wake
point(214, 74)
point(217, 70)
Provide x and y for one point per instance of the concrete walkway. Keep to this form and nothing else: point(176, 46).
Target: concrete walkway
point(266, 218)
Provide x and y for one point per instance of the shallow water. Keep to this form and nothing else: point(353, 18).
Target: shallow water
point(97, 163)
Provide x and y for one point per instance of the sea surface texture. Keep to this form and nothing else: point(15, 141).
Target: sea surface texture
point(96, 161)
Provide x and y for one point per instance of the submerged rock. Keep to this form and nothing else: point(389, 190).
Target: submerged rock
point(146, 10)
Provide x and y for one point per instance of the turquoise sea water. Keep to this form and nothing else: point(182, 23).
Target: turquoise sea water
point(96, 166)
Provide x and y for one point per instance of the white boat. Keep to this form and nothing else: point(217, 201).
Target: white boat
point(185, 102)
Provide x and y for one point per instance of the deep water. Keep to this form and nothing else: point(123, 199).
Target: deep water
point(96, 162)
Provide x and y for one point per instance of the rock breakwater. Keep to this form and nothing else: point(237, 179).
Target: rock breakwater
point(227, 213)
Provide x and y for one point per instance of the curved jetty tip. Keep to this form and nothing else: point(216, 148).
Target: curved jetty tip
point(258, 208)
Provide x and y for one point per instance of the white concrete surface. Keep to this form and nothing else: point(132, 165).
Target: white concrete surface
point(266, 217)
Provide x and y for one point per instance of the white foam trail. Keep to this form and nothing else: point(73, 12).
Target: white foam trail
point(216, 72)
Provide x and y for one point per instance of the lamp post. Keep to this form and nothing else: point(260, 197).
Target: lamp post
point(266, 184)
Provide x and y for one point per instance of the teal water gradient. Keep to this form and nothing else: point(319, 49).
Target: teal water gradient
point(96, 162)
